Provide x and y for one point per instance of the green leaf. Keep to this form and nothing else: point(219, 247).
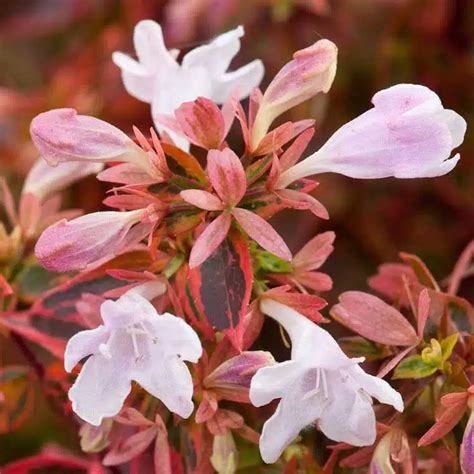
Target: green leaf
point(414, 367)
point(271, 263)
point(358, 346)
point(447, 346)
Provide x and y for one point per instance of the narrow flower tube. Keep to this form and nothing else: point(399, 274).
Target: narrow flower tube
point(311, 71)
point(44, 179)
point(407, 134)
point(72, 245)
point(63, 135)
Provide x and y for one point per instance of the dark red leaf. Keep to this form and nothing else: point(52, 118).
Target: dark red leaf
point(222, 285)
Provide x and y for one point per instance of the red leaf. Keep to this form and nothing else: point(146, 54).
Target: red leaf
point(275, 139)
point(315, 252)
point(423, 311)
point(222, 285)
point(374, 319)
point(302, 201)
point(316, 281)
point(202, 122)
point(162, 454)
point(207, 408)
point(449, 418)
point(307, 305)
point(125, 451)
point(209, 240)
point(296, 149)
point(202, 199)
point(262, 232)
point(187, 162)
point(421, 270)
point(227, 175)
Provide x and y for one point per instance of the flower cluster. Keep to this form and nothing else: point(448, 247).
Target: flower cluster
point(188, 234)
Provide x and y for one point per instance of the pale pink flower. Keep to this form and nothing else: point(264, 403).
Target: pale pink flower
point(135, 343)
point(63, 135)
point(158, 79)
point(407, 134)
point(320, 384)
point(74, 244)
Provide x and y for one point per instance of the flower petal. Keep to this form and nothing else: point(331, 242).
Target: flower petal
point(217, 55)
point(349, 418)
point(243, 80)
point(176, 337)
point(209, 240)
point(167, 378)
point(272, 382)
point(104, 383)
point(82, 344)
point(377, 388)
point(262, 232)
point(294, 413)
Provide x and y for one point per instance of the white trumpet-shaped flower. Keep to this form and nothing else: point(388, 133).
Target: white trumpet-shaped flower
point(320, 384)
point(407, 134)
point(135, 343)
point(158, 79)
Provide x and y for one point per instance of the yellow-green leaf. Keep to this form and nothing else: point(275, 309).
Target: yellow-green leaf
point(414, 367)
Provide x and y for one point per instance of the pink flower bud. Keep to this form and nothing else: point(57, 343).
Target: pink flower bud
point(407, 134)
point(231, 380)
point(71, 245)
point(311, 71)
point(467, 447)
point(62, 135)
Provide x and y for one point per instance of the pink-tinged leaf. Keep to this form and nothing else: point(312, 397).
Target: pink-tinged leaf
point(316, 281)
point(389, 281)
point(5, 287)
point(126, 202)
point(274, 174)
point(461, 268)
point(162, 454)
point(315, 252)
point(222, 285)
point(421, 270)
point(243, 123)
point(126, 173)
point(207, 408)
point(302, 201)
point(228, 111)
point(374, 319)
point(223, 421)
point(227, 175)
point(423, 311)
point(275, 139)
point(209, 240)
point(125, 451)
point(185, 162)
point(202, 199)
point(392, 363)
point(132, 417)
point(255, 100)
point(291, 156)
point(262, 232)
point(448, 419)
point(202, 122)
point(307, 305)
point(231, 380)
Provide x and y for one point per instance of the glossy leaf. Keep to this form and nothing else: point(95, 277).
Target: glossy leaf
point(414, 367)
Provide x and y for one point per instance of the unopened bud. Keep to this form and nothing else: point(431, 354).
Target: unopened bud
point(311, 71)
